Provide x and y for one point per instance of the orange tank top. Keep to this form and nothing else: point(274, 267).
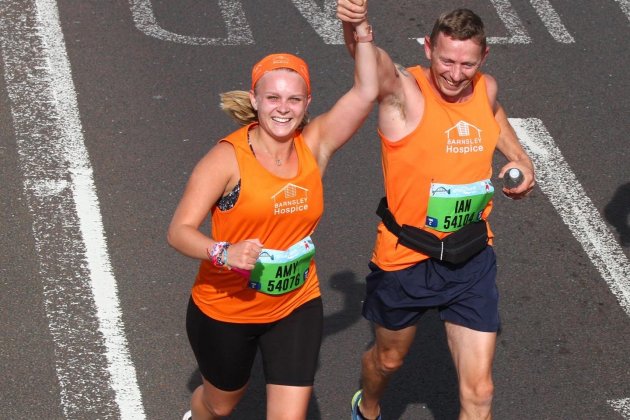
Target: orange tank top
point(279, 212)
point(453, 144)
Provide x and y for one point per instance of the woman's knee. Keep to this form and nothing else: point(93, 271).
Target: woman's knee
point(217, 405)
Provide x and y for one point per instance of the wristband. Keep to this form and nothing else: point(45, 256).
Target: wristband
point(369, 37)
point(217, 254)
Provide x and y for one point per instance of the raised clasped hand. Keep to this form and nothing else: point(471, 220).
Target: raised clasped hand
point(353, 11)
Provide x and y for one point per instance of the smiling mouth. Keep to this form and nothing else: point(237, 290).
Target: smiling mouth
point(453, 84)
point(281, 119)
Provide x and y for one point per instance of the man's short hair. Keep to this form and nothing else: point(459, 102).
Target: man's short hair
point(460, 24)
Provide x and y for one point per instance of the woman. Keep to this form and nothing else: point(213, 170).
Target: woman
point(257, 285)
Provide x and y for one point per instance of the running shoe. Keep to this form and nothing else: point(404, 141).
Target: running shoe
point(187, 416)
point(356, 413)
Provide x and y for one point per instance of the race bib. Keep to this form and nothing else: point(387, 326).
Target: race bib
point(278, 272)
point(453, 206)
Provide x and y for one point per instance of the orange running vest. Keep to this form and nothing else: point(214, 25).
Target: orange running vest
point(453, 144)
point(277, 211)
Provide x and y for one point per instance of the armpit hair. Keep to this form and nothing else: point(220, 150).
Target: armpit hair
point(396, 101)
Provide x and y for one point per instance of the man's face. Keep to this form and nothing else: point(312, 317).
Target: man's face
point(454, 63)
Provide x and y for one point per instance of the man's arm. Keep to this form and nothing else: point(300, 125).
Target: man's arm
point(509, 145)
point(400, 100)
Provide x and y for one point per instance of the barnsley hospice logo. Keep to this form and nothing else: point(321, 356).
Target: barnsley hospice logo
point(463, 138)
point(290, 199)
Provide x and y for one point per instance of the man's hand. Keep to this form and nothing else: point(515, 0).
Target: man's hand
point(525, 187)
point(352, 11)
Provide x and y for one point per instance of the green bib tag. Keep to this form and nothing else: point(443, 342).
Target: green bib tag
point(452, 207)
point(279, 272)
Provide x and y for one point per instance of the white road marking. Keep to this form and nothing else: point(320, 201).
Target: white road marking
point(513, 24)
point(238, 30)
point(563, 189)
point(560, 184)
point(625, 7)
point(552, 21)
point(621, 406)
point(96, 376)
point(507, 14)
point(322, 19)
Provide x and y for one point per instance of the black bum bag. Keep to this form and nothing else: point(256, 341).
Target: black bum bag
point(456, 248)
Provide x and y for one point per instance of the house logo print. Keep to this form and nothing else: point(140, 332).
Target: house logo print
point(463, 138)
point(290, 199)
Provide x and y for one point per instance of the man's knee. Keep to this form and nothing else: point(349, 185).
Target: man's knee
point(479, 394)
point(385, 362)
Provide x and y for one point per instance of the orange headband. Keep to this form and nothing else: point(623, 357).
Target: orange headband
point(281, 61)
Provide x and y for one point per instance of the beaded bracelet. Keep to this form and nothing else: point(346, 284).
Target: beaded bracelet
point(218, 253)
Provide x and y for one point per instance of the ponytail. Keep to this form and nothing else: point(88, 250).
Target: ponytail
point(237, 105)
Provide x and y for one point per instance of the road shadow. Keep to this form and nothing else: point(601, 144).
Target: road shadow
point(428, 377)
point(617, 213)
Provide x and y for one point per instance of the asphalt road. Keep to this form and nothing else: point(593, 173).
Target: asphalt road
point(105, 107)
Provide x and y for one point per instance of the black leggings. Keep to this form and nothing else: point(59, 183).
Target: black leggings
point(225, 351)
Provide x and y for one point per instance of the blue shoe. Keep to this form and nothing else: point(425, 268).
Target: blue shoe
point(356, 413)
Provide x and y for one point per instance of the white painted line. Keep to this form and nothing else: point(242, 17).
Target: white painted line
point(238, 30)
point(552, 21)
point(559, 183)
point(322, 19)
point(96, 376)
point(513, 24)
point(518, 34)
point(625, 7)
point(622, 407)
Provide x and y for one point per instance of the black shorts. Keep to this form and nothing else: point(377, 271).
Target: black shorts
point(225, 351)
point(465, 294)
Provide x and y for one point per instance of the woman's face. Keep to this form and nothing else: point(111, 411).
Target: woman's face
point(281, 99)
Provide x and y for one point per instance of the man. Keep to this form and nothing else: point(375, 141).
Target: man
point(439, 127)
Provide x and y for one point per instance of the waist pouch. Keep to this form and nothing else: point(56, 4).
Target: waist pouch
point(456, 248)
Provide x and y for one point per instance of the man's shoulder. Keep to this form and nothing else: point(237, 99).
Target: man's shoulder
point(409, 70)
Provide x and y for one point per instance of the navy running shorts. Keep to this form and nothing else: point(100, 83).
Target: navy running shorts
point(225, 351)
point(465, 294)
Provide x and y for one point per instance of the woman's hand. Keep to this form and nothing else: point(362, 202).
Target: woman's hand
point(244, 254)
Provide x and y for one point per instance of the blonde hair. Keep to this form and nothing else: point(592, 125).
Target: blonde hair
point(237, 105)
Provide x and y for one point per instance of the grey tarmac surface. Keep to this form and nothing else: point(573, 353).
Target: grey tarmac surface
point(149, 110)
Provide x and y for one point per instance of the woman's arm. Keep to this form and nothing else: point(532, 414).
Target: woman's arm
point(207, 183)
point(329, 131)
